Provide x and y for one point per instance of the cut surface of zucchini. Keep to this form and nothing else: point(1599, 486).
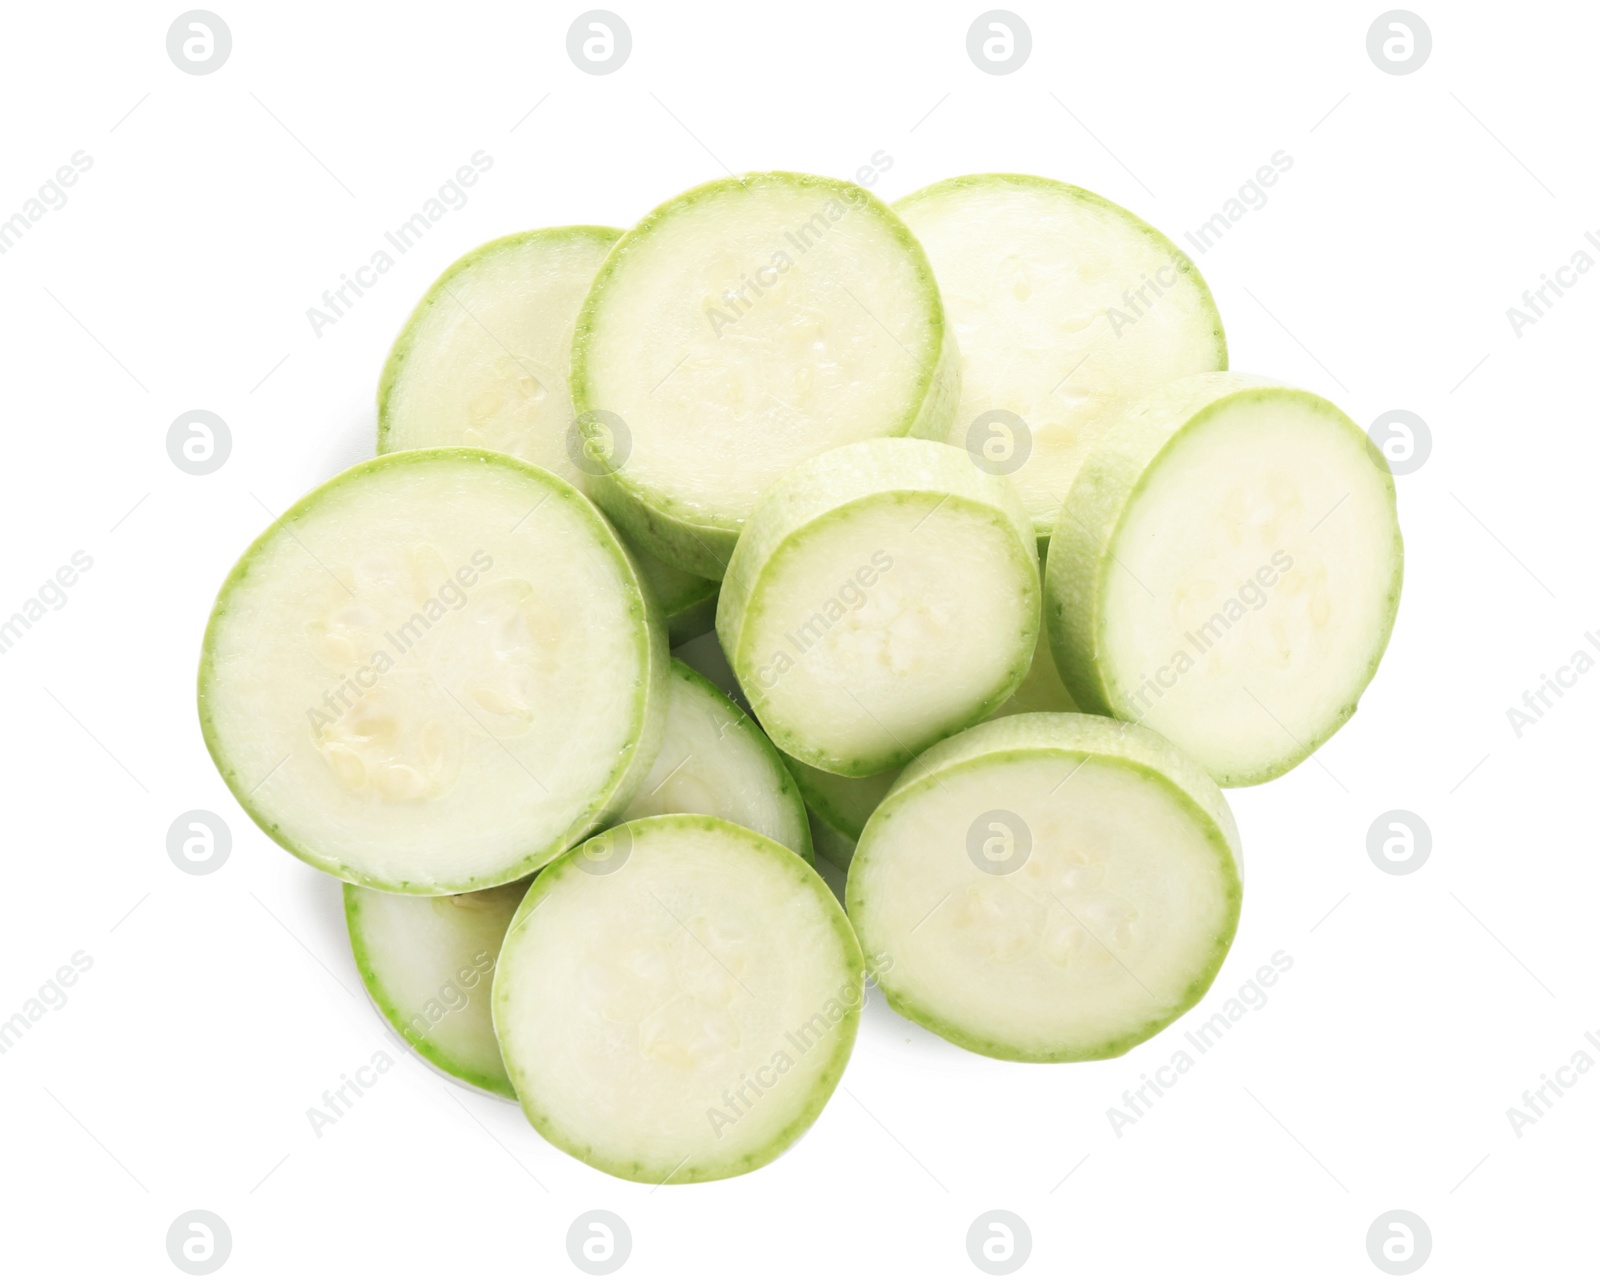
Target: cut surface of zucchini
point(434, 673)
point(428, 965)
point(1066, 307)
point(680, 1005)
point(739, 329)
point(1228, 573)
point(1050, 887)
point(882, 596)
point(482, 360)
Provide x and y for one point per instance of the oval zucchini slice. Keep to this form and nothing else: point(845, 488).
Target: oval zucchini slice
point(1066, 307)
point(1050, 887)
point(882, 596)
point(1227, 572)
point(434, 673)
point(682, 1009)
point(482, 360)
point(739, 329)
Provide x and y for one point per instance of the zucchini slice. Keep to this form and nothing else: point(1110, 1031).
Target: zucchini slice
point(682, 1010)
point(428, 964)
point(1066, 307)
point(435, 673)
point(1227, 572)
point(482, 361)
point(1050, 887)
point(882, 596)
point(739, 329)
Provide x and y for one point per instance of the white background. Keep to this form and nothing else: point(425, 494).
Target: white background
point(218, 1009)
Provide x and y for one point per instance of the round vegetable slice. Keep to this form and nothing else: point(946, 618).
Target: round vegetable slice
point(428, 964)
point(1065, 307)
point(1050, 887)
point(739, 329)
point(677, 1000)
point(882, 596)
point(1228, 572)
point(482, 360)
point(434, 673)
point(715, 760)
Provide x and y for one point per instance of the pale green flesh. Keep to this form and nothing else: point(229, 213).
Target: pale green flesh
point(483, 360)
point(715, 760)
point(442, 712)
point(1041, 284)
point(685, 1015)
point(882, 597)
point(742, 328)
point(1231, 580)
point(1114, 925)
point(428, 964)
